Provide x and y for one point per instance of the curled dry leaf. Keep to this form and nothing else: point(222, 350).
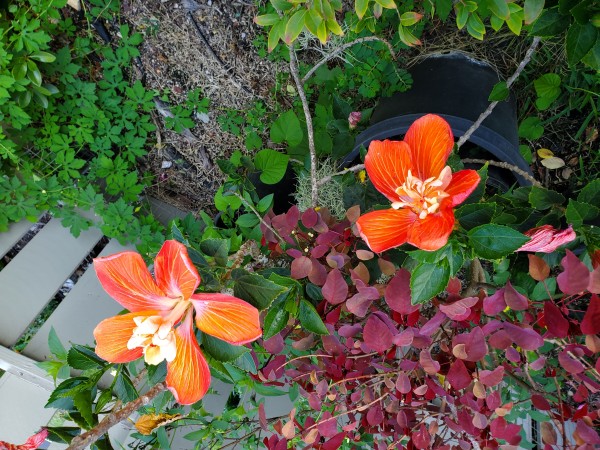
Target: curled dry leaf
point(538, 268)
point(549, 436)
point(553, 163)
point(147, 423)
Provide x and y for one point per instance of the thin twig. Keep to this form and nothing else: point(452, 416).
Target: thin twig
point(89, 437)
point(257, 214)
point(347, 45)
point(228, 69)
point(465, 137)
point(504, 165)
point(327, 179)
point(314, 189)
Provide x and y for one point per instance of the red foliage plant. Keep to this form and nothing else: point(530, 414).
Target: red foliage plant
point(456, 372)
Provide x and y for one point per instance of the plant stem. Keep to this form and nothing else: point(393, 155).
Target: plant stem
point(314, 190)
point(89, 437)
point(256, 213)
point(327, 179)
point(504, 165)
point(465, 137)
point(346, 46)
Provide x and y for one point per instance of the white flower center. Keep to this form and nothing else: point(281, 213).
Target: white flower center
point(423, 197)
point(156, 336)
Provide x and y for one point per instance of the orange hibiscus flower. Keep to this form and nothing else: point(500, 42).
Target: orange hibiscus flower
point(160, 324)
point(414, 176)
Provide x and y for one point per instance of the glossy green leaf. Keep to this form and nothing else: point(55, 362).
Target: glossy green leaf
point(287, 129)
point(475, 214)
point(56, 347)
point(495, 241)
point(361, 6)
point(550, 23)
point(257, 290)
point(266, 20)
point(499, 8)
point(221, 350)
point(579, 212)
point(428, 280)
point(43, 57)
point(499, 92)
point(310, 319)
point(294, 26)
point(580, 40)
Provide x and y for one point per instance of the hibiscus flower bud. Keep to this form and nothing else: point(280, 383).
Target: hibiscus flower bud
point(354, 118)
point(546, 239)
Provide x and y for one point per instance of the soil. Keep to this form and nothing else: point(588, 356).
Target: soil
point(213, 52)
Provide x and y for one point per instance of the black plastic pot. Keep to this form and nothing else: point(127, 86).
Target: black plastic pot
point(456, 87)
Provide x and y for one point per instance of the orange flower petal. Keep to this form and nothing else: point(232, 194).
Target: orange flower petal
point(126, 279)
point(227, 318)
point(112, 335)
point(386, 228)
point(188, 375)
point(462, 184)
point(432, 232)
point(387, 163)
point(174, 271)
point(430, 140)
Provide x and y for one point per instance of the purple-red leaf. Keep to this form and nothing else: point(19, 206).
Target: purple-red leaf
point(575, 277)
point(555, 321)
point(540, 402)
point(375, 415)
point(514, 300)
point(594, 285)
point(460, 309)
point(301, 267)
point(403, 383)
point(569, 363)
point(475, 347)
point(586, 433)
point(591, 320)
point(430, 365)
point(318, 273)
point(377, 335)
point(458, 376)
point(309, 218)
point(495, 303)
point(500, 429)
point(404, 338)
point(421, 438)
point(526, 338)
point(359, 304)
point(491, 377)
point(335, 289)
point(397, 293)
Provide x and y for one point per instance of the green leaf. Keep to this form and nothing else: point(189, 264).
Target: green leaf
point(83, 404)
point(515, 21)
point(499, 8)
point(475, 26)
point(388, 4)
point(361, 6)
point(217, 248)
point(56, 347)
point(275, 34)
point(579, 212)
point(224, 201)
point(313, 21)
point(541, 198)
point(409, 18)
point(475, 214)
point(221, 350)
point(83, 358)
point(531, 128)
point(294, 26)
point(591, 193)
point(547, 88)
point(499, 93)
point(43, 57)
point(592, 59)
point(266, 20)
point(275, 320)
point(550, 23)
point(247, 220)
point(479, 191)
point(287, 129)
point(125, 389)
point(532, 10)
point(580, 40)
point(257, 290)
point(272, 165)
point(428, 280)
point(310, 319)
point(281, 5)
point(62, 434)
point(495, 241)
point(265, 203)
